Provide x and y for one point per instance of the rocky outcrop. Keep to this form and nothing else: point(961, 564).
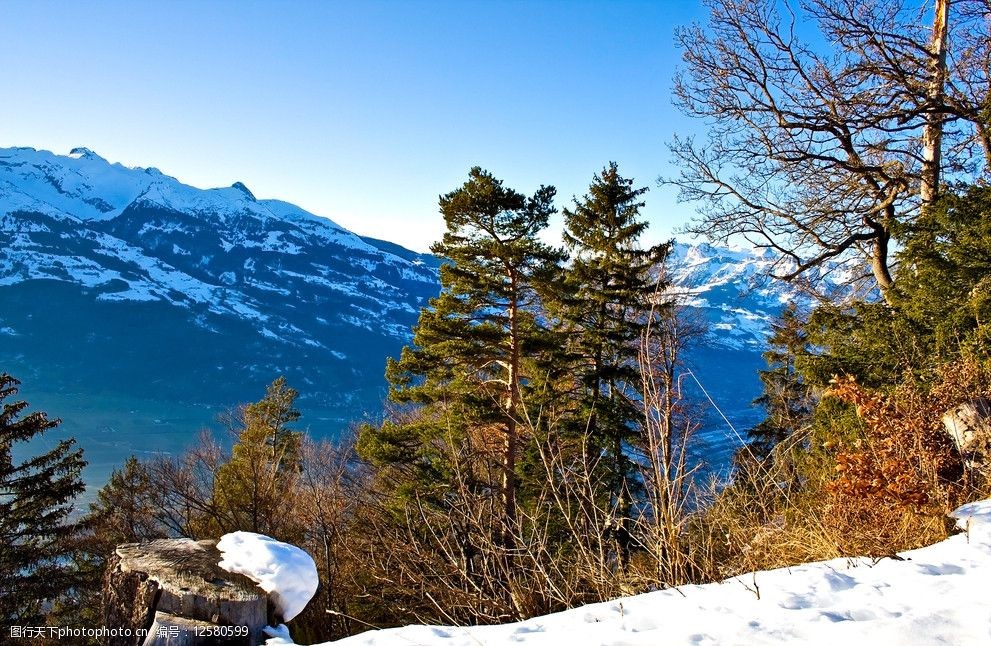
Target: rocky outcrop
point(969, 426)
point(174, 592)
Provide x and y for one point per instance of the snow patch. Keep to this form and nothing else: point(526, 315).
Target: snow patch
point(284, 571)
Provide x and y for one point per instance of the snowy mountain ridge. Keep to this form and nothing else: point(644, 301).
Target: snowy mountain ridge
point(137, 234)
point(734, 289)
point(730, 287)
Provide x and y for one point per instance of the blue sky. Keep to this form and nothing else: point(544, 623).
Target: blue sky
point(363, 112)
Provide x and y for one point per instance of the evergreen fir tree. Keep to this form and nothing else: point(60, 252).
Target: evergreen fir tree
point(36, 497)
point(468, 362)
point(270, 417)
point(125, 511)
point(786, 399)
point(945, 265)
point(125, 507)
point(608, 290)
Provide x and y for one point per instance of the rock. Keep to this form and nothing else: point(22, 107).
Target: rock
point(244, 189)
point(178, 584)
point(969, 426)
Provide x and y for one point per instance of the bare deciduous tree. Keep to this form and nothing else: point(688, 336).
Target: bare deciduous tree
point(818, 147)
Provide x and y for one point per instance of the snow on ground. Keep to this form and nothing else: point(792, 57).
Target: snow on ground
point(934, 595)
point(286, 572)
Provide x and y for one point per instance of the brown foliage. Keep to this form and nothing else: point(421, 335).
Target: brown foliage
point(905, 458)
point(885, 489)
point(894, 485)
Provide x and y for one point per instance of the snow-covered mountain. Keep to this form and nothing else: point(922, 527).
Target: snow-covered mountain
point(731, 287)
point(166, 303)
point(728, 296)
point(134, 306)
point(138, 235)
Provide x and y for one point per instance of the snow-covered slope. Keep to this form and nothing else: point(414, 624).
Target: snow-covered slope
point(734, 290)
point(730, 286)
point(936, 595)
point(139, 235)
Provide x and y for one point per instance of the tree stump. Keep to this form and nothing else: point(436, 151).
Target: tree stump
point(173, 592)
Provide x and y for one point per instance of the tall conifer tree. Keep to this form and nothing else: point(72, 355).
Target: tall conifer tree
point(468, 361)
point(252, 488)
point(787, 399)
point(609, 288)
point(35, 501)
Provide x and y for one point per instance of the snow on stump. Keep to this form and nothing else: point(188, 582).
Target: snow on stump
point(284, 571)
point(177, 591)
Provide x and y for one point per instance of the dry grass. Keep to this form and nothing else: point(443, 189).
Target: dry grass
point(768, 528)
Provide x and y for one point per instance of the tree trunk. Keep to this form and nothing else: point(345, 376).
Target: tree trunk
point(932, 133)
point(512, 410)
point(880, 249)
point(879, 261)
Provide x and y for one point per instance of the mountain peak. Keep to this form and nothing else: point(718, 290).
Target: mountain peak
point(82, 152)
point(244, 189)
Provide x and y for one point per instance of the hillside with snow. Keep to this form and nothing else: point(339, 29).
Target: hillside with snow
point(935, 595)
point(138, 235)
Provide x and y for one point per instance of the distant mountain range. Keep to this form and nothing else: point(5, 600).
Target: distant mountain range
point(135, 307)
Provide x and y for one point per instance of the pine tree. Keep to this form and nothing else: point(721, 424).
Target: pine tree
point(35, 502)
point(786, 399)
point(468, 362)
point(946, 267)
point(253, 487)
point(608, 290)
point(125, 511)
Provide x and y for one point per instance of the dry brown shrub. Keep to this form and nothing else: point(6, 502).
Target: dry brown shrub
point(861, 529)
point(905, 459)
point(894, 485)
point(886, 491)
point(760, 523)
